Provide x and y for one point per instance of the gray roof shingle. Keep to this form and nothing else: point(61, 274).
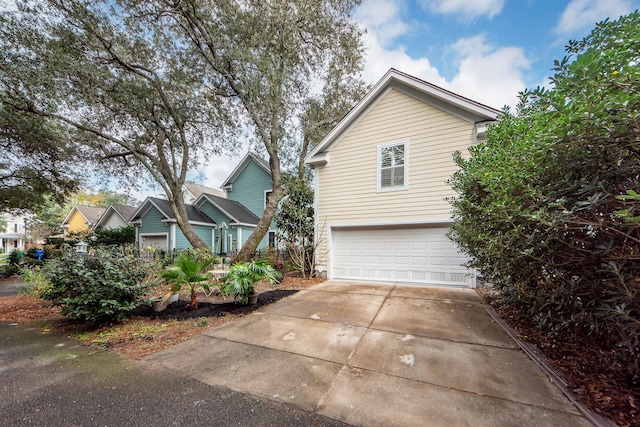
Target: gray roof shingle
point(165, 208)
point(235, 210)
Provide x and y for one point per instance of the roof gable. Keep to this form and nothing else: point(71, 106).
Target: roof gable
point(91, 214)
point(457, 105)
point(124, 212)
point(164, 207)
point(243, 164)
point(232, 209)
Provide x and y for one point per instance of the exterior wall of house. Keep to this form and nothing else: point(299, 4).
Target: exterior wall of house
point(12, 236)
point(432, 136)
point(203, 231)
point(114, 222)
point(249, 187)
point(220, 218)
point(151, 223)
point(77, 223)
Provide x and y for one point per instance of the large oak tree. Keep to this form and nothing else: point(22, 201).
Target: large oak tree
point(156, 86)
point(126, 91)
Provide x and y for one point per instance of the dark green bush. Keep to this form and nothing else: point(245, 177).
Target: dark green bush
point(548, 208)
point(118, 236)
point(54, 241)
point(98, 288)
point(32, 262)
point(15, 257)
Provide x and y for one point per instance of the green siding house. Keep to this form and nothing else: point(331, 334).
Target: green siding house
point(157, 228)
point(223, 220)
point(250, 184)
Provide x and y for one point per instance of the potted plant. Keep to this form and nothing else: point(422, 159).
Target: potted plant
point(241, 279)
point(188, 271)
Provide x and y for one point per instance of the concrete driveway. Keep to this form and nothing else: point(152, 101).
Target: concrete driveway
point(376, 354)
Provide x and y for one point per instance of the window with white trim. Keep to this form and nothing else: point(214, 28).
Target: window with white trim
point(392, 167)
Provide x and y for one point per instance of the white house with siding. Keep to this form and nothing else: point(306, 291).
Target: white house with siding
point(116, 216)
point(381, 184)
point(12, 235)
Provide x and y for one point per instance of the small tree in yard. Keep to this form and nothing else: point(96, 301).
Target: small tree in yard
point(100, 288)
point(242, 276)
point(294, 220)
point(548, 208)
point(188, 270)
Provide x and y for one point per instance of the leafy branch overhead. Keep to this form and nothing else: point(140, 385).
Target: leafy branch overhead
point(150, 90)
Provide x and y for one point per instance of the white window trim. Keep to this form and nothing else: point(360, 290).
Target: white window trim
point(406, 167)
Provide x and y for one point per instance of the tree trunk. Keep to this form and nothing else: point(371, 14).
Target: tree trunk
point(180, 211)
point(194, 301)
point(249, 248)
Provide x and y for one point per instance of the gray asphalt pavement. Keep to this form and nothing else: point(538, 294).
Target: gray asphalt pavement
point(55, 381)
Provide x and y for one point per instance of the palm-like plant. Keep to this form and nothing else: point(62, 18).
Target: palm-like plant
point(241, 279)
point(188, 271)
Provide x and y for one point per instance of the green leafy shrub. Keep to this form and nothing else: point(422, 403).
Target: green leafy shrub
point(295, 223)
point(100, 288)
point(16, 257)
point(242, 276)
point(548, 209)
point(54, 241)
point(117, 236)
point(36, 278)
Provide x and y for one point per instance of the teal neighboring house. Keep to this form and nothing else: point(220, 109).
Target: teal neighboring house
point(157, 228)
point(223, 220)
point(247, 189)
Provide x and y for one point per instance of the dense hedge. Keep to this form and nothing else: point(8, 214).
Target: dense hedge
point(547, 206)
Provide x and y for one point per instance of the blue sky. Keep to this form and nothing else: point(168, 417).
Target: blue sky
point(487, 50)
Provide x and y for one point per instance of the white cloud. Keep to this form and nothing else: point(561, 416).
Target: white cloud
point(583, 14)
point(465, 10)
point(382, 17)
point(380, 59)
point(217, 170)
point(489, 75)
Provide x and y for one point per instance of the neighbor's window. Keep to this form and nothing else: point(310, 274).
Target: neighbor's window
point(393, 171)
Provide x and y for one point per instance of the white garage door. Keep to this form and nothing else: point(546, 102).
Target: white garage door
point(155, 241)
point(421, 255)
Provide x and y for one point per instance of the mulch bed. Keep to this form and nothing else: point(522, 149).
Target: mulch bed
point(594, 374)
point(180, 310)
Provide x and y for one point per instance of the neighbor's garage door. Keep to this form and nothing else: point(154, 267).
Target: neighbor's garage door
point(421, 255)
point(157, 242)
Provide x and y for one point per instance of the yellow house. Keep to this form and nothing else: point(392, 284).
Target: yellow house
point(381, 184)
point(81, 218)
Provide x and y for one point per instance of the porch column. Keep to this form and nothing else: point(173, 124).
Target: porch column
point(172, 236)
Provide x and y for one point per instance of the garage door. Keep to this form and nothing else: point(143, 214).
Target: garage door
point(155, 241)
point(420, 255)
